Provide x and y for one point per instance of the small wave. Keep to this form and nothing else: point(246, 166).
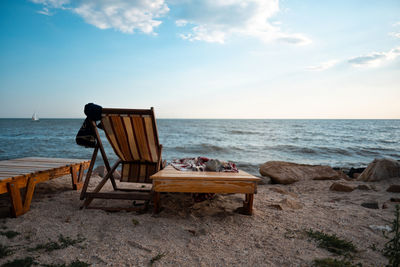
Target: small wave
point(201, 149)
point(242, 132)
point(293, 149)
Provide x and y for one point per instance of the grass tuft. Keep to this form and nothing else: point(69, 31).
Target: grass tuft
point(26, 262)
point(76, 263)
point(135, 222)
point(329, 262)
point(332, 243)
point(5, 251)
point(392, 247)
point(9, 234)
point(64, 242)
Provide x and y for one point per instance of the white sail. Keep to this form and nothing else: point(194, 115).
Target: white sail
point(35, 117)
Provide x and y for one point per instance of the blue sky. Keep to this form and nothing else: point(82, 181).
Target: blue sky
point(201, 59)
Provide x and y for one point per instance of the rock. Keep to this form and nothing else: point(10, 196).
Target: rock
point(356, 175)
point(385, 206)
point(394, 188)
point(102, 172)
point(287, 173)
point(380, 169)
point(370, 205)
point(394, 199)
point(363, 187)
point(340, 187)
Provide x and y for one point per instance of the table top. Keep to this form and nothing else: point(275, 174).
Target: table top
point(170, 173)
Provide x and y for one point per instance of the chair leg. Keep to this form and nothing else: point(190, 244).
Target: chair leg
point(89, 172)
point(101, 184)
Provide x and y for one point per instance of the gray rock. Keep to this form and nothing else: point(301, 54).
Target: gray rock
point(287, 173)
point(380, 169)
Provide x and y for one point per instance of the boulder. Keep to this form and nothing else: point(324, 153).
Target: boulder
point(363, 187)
point(380, 169)
point(287, 173)
point(394, 188)
point(340, 187)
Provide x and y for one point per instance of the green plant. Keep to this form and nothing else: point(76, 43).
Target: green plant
point(332, 243)
point(9, 234)
point(5, 251)
point(392, 247)
point(26, 262)
point(329, 262)
point(64, 242)
point(76, 263)
point(135, 222)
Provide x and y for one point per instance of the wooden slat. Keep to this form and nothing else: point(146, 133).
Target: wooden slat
point(148, 125)
point(106, 121)
point(171, 173)
point(205, 186)
point(141, 138)
point(121, 137)
point(131, 138)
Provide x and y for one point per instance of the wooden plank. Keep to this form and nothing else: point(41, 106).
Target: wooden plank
point(59, 160)
point(169, 173)
point(21, 180)
point(196, 186)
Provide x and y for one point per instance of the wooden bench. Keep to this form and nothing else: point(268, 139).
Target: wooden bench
point(27, 172)
point(172, 180)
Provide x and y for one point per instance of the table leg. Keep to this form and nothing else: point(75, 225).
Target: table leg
point(248, 204)
point(156, 202)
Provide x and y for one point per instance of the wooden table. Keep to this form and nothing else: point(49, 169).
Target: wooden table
point(27, 172)
point(172, 180)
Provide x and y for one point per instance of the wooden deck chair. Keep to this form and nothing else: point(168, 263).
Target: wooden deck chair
point(133, 136)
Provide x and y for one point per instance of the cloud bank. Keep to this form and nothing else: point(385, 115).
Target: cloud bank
point(213, 21)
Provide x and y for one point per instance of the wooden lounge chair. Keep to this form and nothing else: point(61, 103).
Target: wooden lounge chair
point(133, 136)
point(16, 174)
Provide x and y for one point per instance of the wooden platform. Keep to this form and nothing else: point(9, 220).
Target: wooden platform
point(27, 172)
point(172, 180)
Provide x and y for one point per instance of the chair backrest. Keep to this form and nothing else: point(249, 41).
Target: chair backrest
point(133, 136)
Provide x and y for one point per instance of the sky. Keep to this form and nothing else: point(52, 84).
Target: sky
point(267, 59)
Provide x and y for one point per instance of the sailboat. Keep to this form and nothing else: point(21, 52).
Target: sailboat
point(35, 117)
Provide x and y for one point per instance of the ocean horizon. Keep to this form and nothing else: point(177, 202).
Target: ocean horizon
point(247, 142)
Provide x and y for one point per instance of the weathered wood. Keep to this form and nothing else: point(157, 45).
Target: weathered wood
point(205, 186)
point(27, 172)
point(15, 197)
point(170, 173)
point(172, 180)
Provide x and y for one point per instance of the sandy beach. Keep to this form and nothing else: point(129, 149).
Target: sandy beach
point(208, 233)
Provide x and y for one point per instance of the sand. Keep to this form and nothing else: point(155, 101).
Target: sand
point(209, 233)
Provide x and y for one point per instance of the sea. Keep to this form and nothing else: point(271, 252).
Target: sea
point(248, 143)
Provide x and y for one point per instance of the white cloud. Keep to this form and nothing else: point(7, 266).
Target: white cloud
point(181, 22)
point(207, 20)
point(395, 34)
point(217, 20)
point(375, 59)
point(123, 15)
point(396, 24)
point(323, 66)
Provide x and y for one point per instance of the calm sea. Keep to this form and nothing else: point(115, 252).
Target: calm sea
point(338, 143)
